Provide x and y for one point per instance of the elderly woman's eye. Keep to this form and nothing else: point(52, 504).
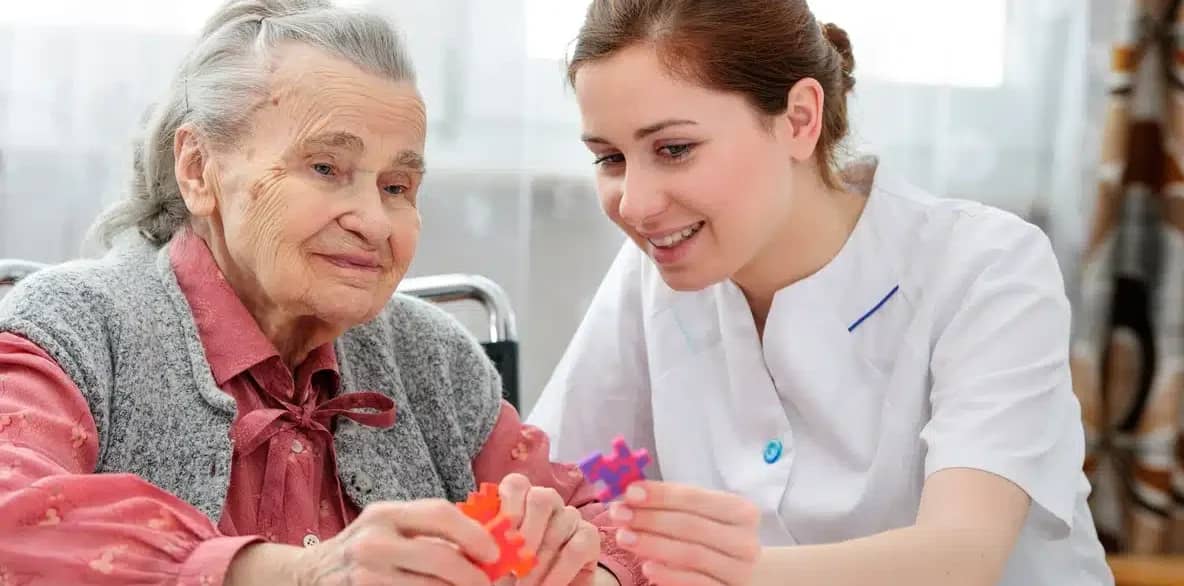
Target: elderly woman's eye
point(395, 189)
point(324, 169)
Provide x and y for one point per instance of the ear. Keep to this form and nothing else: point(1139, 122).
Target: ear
point(804, 117)
point(191, 159)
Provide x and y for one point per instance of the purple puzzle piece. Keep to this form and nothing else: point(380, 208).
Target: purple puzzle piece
point(618, 471)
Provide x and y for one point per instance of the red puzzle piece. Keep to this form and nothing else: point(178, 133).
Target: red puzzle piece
point(618, 471)
point(513, 556)
point(484, 506)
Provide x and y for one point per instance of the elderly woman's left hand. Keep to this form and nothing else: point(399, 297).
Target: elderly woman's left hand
point(566, 547)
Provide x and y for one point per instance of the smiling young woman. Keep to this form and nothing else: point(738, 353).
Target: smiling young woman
point(840, 376)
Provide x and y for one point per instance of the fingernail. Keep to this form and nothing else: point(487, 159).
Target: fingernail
point(648, 569)
point(635, 494)
point(619, 512)
point(626, 537)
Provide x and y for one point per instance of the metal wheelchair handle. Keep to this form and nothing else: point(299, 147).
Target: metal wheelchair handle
point(457, 287)
point(502, 347)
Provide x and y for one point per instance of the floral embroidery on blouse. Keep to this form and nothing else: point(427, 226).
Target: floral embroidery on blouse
point(163, 522)
point(528, 437)
point(78, 436)
point(11, 421)
point(105, 564)
point(52, 517)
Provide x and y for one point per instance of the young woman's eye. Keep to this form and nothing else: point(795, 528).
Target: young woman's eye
point(677, 151)
point(612, 159)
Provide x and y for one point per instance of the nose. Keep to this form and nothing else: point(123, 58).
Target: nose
point(642, 198)
point(367, 217)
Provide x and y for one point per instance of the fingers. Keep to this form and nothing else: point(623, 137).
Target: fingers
point(575, 557)
point(686, 556)
point(663, 575)
point(530, 508)
point(587, 576)
point(563, 528)
point(434, 518)
point(542, 506)
point(512, 490)
point(731, 540)
point(410, 579)
point(433, 560)
point(387, 553)
point(718, 506)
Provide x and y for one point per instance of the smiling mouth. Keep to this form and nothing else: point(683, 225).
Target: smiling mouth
point(672, 240)
point(351, 263)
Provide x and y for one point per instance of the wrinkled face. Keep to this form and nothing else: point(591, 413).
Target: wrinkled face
point(316, 204)
point(695, 177)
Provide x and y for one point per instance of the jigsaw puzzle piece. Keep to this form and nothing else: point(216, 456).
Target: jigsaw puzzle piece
point(617, 471)
point(482, 505)
point(514, 559)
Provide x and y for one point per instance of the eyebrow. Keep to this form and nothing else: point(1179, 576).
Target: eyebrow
point(645, 131)
point(410, 160)
point(407, 159)
point(334, 140)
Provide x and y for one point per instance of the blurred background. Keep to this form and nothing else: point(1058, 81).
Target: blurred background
point(995, 100)
point(1008, 102)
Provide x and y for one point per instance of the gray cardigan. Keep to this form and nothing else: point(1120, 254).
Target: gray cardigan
point(123, 331)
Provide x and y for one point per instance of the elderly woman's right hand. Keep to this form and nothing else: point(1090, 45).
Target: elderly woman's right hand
point(418, 542)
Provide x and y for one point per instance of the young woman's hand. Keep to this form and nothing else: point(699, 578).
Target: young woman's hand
point(688, 535)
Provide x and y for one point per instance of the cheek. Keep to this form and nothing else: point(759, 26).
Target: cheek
point(281, 214)
point(608, 190)
point(751, 180)
point(404, 237)
point(262, 208)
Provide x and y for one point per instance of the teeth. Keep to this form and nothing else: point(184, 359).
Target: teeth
point(672, 239)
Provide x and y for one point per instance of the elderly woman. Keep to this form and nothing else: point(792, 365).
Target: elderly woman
point(231, 395)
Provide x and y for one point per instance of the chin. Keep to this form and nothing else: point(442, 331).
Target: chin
point(688, 279)
point(349, 308)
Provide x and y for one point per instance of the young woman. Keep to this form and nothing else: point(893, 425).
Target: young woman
point(842, 380)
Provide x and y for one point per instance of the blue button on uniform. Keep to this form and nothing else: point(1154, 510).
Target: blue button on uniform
point(773, 451)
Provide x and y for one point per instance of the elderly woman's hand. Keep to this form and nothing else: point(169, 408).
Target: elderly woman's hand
point(419, 542)
point(567, 547)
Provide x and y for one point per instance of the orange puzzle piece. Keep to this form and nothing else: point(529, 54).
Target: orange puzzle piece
point(484, 506)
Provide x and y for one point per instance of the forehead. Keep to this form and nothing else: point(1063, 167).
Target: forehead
point(632, 89)
point(312, 93)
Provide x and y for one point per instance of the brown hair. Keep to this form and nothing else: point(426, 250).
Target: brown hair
point(757, 48)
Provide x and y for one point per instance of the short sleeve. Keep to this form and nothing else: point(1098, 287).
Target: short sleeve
point(1002, 398)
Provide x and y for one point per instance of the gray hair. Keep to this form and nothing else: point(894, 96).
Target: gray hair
point(221, 82)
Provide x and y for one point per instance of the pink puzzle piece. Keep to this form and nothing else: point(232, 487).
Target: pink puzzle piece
point(617, 471)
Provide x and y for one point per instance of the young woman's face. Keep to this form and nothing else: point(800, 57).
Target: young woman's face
point(695, 177)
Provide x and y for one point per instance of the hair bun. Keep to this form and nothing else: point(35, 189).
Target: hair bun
point(839, 39)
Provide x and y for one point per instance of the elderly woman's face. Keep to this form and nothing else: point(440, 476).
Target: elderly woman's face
point(317, 203)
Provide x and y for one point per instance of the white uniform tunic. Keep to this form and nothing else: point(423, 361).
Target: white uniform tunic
point(937, 338)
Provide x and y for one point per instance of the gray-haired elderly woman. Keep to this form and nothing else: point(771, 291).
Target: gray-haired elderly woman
point(231, 395)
